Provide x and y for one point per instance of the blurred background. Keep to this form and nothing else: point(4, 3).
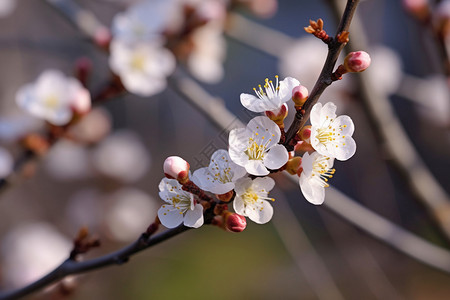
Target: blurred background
point(107, 177)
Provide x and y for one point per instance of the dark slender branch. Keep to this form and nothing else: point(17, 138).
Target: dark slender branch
point(70, 267)
point(325, 77)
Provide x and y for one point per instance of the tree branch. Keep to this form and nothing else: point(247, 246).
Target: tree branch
point(325, 77)
point(71, 267)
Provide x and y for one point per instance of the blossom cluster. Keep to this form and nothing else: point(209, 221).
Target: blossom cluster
point(241, 174)
point(151, 35)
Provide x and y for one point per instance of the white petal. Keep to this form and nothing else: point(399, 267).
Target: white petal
point(327, 112)
point(286, 86)
point(344, 125)
point(200, 178)
point(256, 167)
point(253, 103)
point(307, 164)
point(314, 115)
point(263, 183)
point(276, 157)
point(221, 188)
point(260, 213)
point(242, 185)
point(238, 139)
point(345, 149)
point(265, 131)
point(314, 193)
point(238, 206)
point(194, 218)
point(170, 216)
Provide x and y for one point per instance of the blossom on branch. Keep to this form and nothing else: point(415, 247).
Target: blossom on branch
point(221, 174)
point(252, 199)
point(317, 169)
point(331, 135)
point(270, 96)
point(142, 67)
point(180, 207)
point(54, 97)
point(256, 147)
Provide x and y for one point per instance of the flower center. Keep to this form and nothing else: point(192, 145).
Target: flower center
point(321, 173)
point(138, 61)
point(327, 134)
point(254, 150)
point(181, 202)
point(270, 90)
point(250, 197)
point(51, 101)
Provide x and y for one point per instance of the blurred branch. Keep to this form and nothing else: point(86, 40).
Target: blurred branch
point(393, 137)
point(344, 207)
point(71, 267)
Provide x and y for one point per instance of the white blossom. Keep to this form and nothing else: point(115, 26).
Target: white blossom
point(221, 174)
point(270, 96)
point(252, 199)
point(180, 206)
point(331, 135)
point(143, 21)
point(122, 156)
point(53, 97)
point(256, 147)
point(143, 66)
point(317, 169)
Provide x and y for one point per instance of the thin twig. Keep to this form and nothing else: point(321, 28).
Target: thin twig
point(325, 77)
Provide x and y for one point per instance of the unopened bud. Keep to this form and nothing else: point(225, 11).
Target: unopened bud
point(278, 115)
point(293, 165)
point(299, 95)
point(305, 134)
point(176, 168)
point(357, 61)
point(81, 103)
point(235, 222)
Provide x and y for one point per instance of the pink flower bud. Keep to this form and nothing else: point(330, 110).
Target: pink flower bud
point(235, 223)
point(176, 168)
point(357, 61)
point(278, 115)
point(299, 95)
point(305, 134)
point(102, 36)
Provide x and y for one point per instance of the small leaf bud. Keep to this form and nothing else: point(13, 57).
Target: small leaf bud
point(357, 61)
point(176, 168)
point(299, 95)
point(225, 197)
point(293, 165)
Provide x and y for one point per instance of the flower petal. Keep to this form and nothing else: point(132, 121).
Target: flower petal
point(263, 184)
point(264, 130)
point(327, 112)
point(194, 218)
point(345, 149)
point(238, 206)
point(314, 193)
point(256, 167)
point(170, 216)
point(260, 213)
point(276, 157)
point(253, 103)
point(286, 86)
